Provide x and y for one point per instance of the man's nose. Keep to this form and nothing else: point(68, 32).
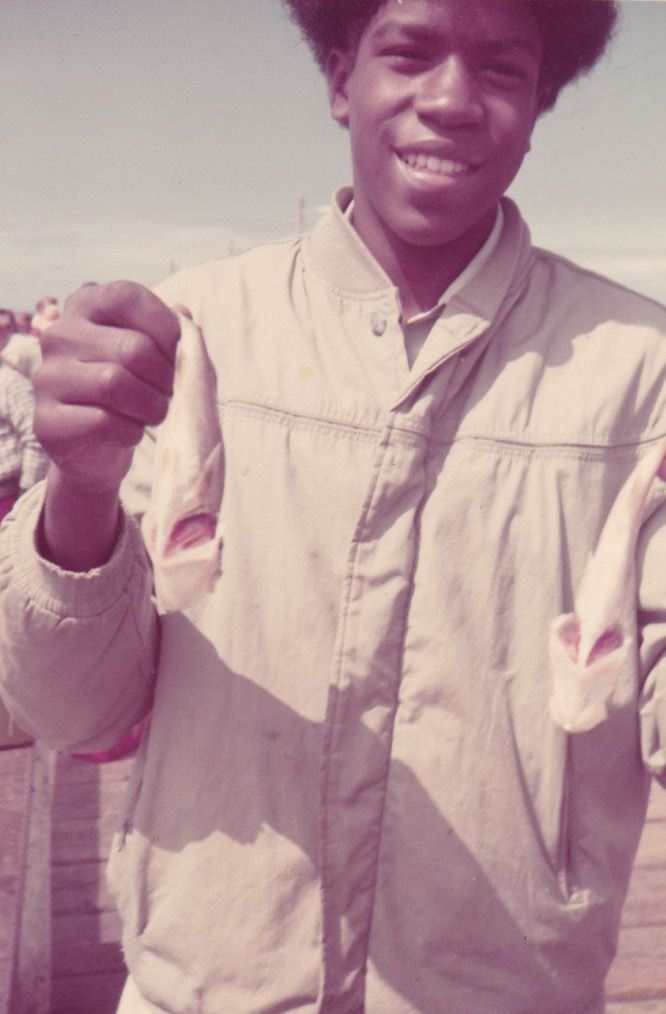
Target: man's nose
point(449, 94)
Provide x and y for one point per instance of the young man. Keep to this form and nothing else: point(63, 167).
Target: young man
point(352, 796)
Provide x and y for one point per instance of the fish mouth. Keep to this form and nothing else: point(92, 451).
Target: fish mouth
point(606, 643)
point(191, 531)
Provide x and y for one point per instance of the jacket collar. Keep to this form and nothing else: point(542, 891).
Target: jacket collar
point(338, 255)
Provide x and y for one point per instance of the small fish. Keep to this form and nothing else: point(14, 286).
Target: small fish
point(181, 528)
point(590, 647)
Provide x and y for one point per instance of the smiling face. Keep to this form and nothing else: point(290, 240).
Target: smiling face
point(440, 98)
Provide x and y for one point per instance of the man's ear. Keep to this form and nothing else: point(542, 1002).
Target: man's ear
point(545, 101)
point(338, 66)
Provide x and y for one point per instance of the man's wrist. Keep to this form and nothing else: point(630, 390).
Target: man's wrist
point(79, 525)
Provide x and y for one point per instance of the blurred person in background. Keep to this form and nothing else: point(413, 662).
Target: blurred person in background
point(46, 312)
point(23, 321)
point(22, 349)
point(22, 460)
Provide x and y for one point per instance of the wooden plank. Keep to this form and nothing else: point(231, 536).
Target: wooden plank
point(86, 943)
point(88, 801)
point(638, 974)
point(16, 766)
point(636, 1007)
point(91, 803)
point(646, 901)
point(657, 807)
point(87, 994)
point(80, 887)
point(32, 981)
point(83, 840)
point(88, 968)
point(639, 970)
point(68, 875)
point(652, 848)
point(72, 770)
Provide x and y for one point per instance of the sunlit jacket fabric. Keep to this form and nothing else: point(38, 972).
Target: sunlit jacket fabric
point(352, 796)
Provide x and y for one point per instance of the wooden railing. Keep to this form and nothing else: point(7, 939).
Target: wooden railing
point(25, 863)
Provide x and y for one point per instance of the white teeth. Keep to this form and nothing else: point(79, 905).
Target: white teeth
point(442, 166)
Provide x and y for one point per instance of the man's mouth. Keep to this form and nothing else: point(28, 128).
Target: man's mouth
point(422, 162)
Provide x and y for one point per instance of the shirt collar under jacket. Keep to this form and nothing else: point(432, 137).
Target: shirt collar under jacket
point(465, 276)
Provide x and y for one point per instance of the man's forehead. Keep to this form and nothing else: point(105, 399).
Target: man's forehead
point(468, 17)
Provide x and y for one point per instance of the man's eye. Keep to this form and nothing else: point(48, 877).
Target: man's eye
point(405, 55)
point(506, 71)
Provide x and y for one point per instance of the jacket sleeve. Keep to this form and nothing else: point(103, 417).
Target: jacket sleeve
point(78, 650)
point(652, 621)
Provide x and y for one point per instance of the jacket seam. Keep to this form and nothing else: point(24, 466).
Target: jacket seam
point(548, 447)
point(332, 716)
point(396, 705)
point(538, 444)
point(290, 418)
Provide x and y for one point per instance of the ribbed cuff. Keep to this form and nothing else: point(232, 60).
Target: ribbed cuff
point(67, 593)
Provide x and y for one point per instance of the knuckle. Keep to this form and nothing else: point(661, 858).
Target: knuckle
point(92, 300)
point(124, 297)
point(120, 291)
point(131, 349)
point(110, 378)
point(98, 422)
point(83, 297)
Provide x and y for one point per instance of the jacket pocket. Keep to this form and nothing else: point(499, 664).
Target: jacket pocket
point(132, 794)
point(563, 855)
point(127, 857)
point(541, 770)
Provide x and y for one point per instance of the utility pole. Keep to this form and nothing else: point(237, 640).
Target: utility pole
point(301, 214)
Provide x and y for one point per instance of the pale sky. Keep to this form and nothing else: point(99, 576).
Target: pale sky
point(144, 134)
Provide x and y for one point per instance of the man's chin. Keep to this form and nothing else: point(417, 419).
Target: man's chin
point(436, 232)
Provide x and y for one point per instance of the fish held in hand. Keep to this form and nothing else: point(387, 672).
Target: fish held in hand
point(590, 647)
point(181, 528)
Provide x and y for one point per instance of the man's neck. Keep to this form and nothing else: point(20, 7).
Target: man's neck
point(422, 273)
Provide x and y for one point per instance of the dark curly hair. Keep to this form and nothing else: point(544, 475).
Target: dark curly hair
point(574, 33)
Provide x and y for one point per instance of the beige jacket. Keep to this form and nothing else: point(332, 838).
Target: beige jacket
point(352, 797)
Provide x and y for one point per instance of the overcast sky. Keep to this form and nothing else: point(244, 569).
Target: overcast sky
point(144, 134)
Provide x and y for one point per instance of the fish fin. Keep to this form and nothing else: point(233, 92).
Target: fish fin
point(209, 484)
point(190, 531)
point(582, 694)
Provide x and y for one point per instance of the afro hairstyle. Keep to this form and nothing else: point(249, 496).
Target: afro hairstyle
point(574, 33)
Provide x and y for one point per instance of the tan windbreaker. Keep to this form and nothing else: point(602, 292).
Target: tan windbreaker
point(352, 797)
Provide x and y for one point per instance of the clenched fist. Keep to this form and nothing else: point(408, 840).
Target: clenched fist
point(107, 372)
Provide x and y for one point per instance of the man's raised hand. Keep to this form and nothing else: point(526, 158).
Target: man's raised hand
point(107, 372)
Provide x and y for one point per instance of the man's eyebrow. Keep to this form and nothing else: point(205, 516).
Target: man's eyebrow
point(408, 28)
point(422, 33)
point(507, 45)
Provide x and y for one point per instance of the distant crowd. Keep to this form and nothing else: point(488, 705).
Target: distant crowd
point(22, 460)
